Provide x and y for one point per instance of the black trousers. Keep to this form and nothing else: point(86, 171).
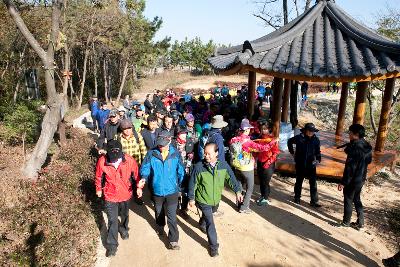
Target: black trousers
point(113, 210)
point(351, 195)
point(207, 222)
point(264, 175)
point(311, 174)
point(167, 205)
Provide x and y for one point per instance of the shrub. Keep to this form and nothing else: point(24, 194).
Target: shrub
point(55, 223)
point(21, 122)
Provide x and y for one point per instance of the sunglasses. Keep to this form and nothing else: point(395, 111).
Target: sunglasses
point(112, 116)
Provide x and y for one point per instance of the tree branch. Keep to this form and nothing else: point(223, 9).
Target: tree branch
point(24, 30)
point(268, 22)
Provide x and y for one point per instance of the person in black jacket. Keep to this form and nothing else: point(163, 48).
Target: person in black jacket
point(307, 156)
point(110, 130)
point(147, 105)
point(150, 133)
point(359, 155)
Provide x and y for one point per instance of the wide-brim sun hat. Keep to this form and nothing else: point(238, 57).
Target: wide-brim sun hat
point(218, 122)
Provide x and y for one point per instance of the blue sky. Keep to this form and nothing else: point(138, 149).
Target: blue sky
point(232, 22)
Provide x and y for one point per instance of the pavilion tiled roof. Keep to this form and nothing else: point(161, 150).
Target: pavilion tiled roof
point(324, 43)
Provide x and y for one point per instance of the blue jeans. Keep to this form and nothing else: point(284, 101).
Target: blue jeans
point(207, 222)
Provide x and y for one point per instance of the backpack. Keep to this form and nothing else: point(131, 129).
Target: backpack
point(236, 155)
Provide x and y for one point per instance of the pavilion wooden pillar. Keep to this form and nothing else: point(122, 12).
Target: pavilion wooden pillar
point(285, 103)
point(342, 109)
point(251, 93)
point(276, 105)
point(361, 98)
point(293, 104)
point(385, 112)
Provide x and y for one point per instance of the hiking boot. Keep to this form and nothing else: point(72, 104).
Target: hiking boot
point(246, 211)
point(218, 213)
point(297, 201)
point(174, 246)
point(125, 236)
point(214, 253)
point(357, 226)
point(263, 202)
point(110, 252)
point(315, 205)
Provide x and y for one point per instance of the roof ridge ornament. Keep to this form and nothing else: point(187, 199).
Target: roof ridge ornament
point(247, 45)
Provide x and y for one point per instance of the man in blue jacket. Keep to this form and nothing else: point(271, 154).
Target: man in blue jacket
point(163, 169)
point(102, 115)
point(94, 108)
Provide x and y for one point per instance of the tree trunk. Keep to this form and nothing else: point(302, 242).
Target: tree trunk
point(85, 59)
point(124, 75)
point(285, 12)
point(105, 70)
point(371, 111)
point(54, 100)
point(16, 92)
point(67, 63)
point(95, 71)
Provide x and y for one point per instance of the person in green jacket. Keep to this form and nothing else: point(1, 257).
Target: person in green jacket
point(205, 189)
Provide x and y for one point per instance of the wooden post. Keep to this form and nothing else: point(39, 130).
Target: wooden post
point(385, 112)
point(251, 93)
point(359, 108)
point(285, 102)
point(276, 105)
point(342, 109)
point(293, 104)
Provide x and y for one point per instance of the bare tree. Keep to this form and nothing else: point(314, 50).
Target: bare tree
point(54, 101)
point(276, 13)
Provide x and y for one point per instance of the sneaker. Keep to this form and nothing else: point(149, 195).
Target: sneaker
point(214, 253)
point(297, 201)
point(344, 224)
point(184, 214)
point(111, 252)
point(139, 201)
point(174, 246)
point(218, 213)
point(125, 236)
point(246, 211)
point(357, 226)
point(390, 262)
point(315, 205)
point(203, 229)
point(263, 202)
point(160, 231)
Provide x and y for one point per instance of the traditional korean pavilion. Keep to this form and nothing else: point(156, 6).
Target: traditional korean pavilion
point(324, 44)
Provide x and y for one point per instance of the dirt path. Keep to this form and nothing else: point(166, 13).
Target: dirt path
point(283, 234)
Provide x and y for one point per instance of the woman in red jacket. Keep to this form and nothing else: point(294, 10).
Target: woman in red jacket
point(266, 162)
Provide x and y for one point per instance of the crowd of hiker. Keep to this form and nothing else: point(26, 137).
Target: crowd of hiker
point(183, 148)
